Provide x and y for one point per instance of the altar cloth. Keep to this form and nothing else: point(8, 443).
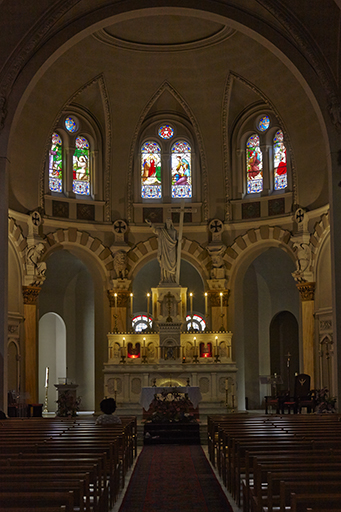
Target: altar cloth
point(147, 394)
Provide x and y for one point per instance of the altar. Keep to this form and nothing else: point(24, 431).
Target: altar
point(148, 393)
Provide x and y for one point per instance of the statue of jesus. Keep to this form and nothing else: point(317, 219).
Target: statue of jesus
point(166, 253)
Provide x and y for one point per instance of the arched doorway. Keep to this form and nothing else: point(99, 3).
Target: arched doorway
point(284, 348)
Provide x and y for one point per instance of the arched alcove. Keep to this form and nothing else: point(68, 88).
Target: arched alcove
point(68, 292)
point(264, 287)
point(52, 354)
point(284, 340)
point(149, 277)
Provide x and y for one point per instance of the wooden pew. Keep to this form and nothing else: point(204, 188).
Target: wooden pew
point(300, 502)
point(37, 499)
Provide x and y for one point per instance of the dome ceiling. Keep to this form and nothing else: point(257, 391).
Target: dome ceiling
point(164, 32)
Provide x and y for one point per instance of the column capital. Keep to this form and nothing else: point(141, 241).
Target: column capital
point(214, 297)
point(307, 291)
point(122, 297)
point(30, 294)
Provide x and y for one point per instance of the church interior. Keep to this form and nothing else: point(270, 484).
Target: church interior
point(170, 193)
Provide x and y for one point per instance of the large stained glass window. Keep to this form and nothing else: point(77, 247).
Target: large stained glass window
point(280, 162)
point(181, 170)
point(254, 165)
point(56, 164)
point(151, 171)
point(81, 173)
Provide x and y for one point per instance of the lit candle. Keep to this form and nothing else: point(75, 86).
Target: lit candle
point(115, 295)
point(227, 384)
point(195, 341)
point(148, 299)
point(206, 307)
point(216, 346)
point(124, 342)
point(115, 384)
point(221, 303)
point(144, 342)
point(191, 302)
point(131, 304)
point(47, 377)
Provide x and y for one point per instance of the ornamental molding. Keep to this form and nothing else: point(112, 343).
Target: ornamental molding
point(204, 178)
point(307, 291)
point(306, 44)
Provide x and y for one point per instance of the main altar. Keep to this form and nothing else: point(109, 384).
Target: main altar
point(172, 349)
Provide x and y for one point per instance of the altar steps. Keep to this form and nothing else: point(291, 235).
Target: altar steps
point(171, 433)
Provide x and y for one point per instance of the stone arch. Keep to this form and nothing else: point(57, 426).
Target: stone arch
point(192, 251)
point(83, 240)
point(18, 240)
point(318, 238)
point(263, 235)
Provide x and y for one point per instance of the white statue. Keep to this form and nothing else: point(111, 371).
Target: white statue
point(303, 255)
point(34, 265)
point(166, 254)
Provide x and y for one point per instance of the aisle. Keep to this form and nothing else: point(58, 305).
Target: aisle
point(174, 478)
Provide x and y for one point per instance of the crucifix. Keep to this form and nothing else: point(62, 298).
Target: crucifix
point(182, 210)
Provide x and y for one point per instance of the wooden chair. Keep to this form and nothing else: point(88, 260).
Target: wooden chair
point(304, 396)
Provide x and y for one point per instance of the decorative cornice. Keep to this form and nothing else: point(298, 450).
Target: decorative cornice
point(30, 294)
point(307, 291)
point(167, 87)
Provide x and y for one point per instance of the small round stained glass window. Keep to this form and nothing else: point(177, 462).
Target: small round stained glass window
point(263, 124)
point(166, 131)
point(70, 124)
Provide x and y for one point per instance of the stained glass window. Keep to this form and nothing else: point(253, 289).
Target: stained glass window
point(280, 162)
point(56, 164)
point(263, 124)
point(140, 323)
point(70, 124)
point(181, 170)
point(151, 171)
point(195, 322)
point(166, 132)
point(254, 165)
point(81, 173)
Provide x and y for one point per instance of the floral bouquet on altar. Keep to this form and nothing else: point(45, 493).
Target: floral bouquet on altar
point(169, 407)
point(68, 404)
point(324, 403)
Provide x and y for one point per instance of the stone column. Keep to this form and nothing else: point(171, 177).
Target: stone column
point(3, 279)
point(307, 291)
point(30, 294)
point(119, 305)
point(218, 303)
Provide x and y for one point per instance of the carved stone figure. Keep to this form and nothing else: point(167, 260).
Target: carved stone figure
point(166, 254)
point(218, 266)
point(34, 265)
point(303, 254)
point(120, 264)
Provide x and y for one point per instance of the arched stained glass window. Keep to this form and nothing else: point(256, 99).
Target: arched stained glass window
point(254, 165)
point(181, 170)
point(151, 171)
point(81, 173)
point(56, 164)
point(280, 162)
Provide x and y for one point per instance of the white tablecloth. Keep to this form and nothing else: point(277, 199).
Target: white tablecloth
point(147, 394)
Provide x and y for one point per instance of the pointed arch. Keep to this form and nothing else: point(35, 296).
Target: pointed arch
point(204, 180)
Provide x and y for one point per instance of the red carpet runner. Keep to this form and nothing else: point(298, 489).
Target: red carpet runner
point(174, 478)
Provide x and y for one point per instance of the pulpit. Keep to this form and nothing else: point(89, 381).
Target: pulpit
point(62, 388)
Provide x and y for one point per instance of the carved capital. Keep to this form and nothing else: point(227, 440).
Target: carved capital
point(120, 300)
point(214, 297)
point(30, 294)
point(307, 291)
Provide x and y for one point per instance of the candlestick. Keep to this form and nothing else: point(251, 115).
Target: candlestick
point(206, 306)
point(115, 295)
point(47, 376)
point(148, 299)
point(144, 342)
point(221, 303)
point(131, 304)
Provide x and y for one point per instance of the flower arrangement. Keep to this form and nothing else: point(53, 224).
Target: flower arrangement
point(169, 407)
point(68, 404)
point(324, 403)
